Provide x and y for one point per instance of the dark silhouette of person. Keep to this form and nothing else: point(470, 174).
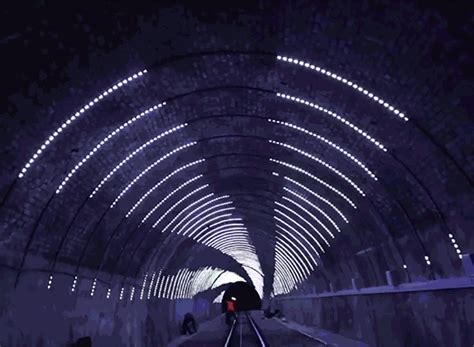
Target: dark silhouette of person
point(189, 324)
point(230, 311)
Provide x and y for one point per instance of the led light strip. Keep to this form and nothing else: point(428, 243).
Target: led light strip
point(200, 214)
point(240, 248)
point(195, 229)
point(224, 226)
point(300, 226)
point(177, 286)
point(281, 283)
point(131, 155)
point(172, 286)
point(184, 210)
point(187, 283)
point(156, 284)
point(455, 245)
point(376, 143)
point(286, 267)
point(319, 197)
point(225, 221)
point(296, 239)
point(240, 239)
point(294, 252)
point(218, 231)
point(181, 284)
point(310, 214)
point(316, 208)
point(339, 78)
point(103, 142)
point(337, 172)
point(94, 284)
point(168, 196)
point(167, 177)
point(327, 185)
point(151, 285)
point(75, 116)
point(288, 263)
point(174, 151)
point(165, 285)
point(330, 143)
point(230, 231)
point(177, 203)
point(132, 293)
point(291, 278)
point(240, 253)
point(292, 248)
point(142, 291)
point(181, 293)
point(160, 291)
point(212, 233)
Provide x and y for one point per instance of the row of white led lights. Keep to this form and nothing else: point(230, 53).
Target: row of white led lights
point(308, 103)
point(184, 284)
point(363, 91)
point(196, 215)
point(212, 223)
point(193, 219)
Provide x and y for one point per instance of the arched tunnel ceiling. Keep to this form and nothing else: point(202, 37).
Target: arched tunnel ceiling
point(320, 134)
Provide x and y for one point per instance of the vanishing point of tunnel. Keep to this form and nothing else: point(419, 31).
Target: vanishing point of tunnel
point(237, 173)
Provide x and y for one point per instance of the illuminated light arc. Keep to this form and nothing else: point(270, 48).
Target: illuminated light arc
point(329, 203)
point(347, 82)
point(301, 227)
point(76, 116)
point(313, 206)
point(191, 220)
point(147, 169)
point(163, 180)
point(185, 218)
point(327, 185)
point(301, 263)
point(180, 201)
point(297, 240)
point(130, 156)
point(337, 147)
point(211, 235)
point(196, 231)
point(322, 162)
point(207, 196)
point(173, 192)
point(288, 265)
point(378, 144)
point(286, 268)
point(309, 214)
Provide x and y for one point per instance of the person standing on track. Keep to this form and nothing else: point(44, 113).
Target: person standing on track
point(230, 310)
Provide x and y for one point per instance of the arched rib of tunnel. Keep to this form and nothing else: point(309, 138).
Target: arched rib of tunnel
point(161, 159)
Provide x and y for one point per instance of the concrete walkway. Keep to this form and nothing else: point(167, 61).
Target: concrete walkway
point(325, 337)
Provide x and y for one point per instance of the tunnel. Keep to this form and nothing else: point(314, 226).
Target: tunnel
point(244, 295)
point(312, 159)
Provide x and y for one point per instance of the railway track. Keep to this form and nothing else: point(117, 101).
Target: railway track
point(244, 332)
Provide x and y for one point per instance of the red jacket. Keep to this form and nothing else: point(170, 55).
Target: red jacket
point(230, 306)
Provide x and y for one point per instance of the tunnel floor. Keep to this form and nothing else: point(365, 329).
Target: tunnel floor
point(271, 332)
